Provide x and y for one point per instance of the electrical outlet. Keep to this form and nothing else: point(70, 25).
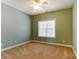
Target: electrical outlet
point(15, 41)
point(1, 44)
point(63, 41)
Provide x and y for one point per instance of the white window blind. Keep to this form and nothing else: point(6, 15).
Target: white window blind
point(46, 28)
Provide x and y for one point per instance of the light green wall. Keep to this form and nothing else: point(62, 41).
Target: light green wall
point(63, 26)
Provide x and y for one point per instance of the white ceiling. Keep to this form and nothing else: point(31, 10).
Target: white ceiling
point(52, 5)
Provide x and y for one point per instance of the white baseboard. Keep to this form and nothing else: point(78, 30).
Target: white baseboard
point(56, 44)
point(52, 43)
point(74, 51)
point(15, 46)
point(38, 42)
point(34, 41)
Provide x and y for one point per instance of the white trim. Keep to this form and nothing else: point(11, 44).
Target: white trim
point(52, 43)
point(15, 46)
point(56, 44)
point(39, 42)
point(74, 51)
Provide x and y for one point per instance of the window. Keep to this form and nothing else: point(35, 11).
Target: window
point(46, 28)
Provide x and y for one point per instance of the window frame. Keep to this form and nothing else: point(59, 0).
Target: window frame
point(53, 36)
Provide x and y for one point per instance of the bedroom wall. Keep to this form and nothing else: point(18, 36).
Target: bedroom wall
point(63, 26)
point(15, 26)
point(75, 27)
